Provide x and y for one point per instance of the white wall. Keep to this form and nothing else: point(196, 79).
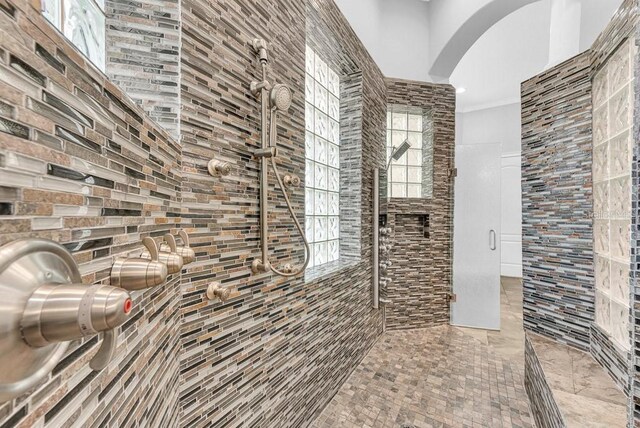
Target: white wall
point(511, 51)
point(396, 34)
point(445, 18)
point(511, 220)
point(501, 125)
point(405, 37)
point(596, 14)
point(364, 17)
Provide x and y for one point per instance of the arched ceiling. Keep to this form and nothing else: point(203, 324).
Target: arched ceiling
point(487, 46)
point(457, 24)
point(517, 48)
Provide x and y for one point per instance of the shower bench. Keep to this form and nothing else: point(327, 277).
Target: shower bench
point(568, 388)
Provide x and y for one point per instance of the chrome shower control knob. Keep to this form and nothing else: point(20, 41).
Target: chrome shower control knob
point(187, 253)
point(173, 261)
point(218, 168)
point(291, 180)
point(216, 291)
point(59, 313)
point(45, 305)
point(171, 258)
point(140, 273)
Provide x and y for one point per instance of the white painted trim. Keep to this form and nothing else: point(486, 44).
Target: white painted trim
point(487, 106)
point(511, 270)
point(509, 267)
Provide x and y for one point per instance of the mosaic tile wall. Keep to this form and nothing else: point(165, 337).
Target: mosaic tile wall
point(616, 361)
point(277, 351)
point(98, 175)
point(420, 268)
point(143, 43)
point(82, 165)
point(557, 203)
point(611, 358)
point(543, 405)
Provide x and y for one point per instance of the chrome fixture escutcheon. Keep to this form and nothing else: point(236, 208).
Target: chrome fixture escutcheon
point(44, 305)
point(216, 291)
point(257, 266)
point(291, 180)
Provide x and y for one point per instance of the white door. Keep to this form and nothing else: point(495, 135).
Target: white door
point(476, 237)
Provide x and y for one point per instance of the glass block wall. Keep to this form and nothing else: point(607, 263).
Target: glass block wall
point(322, 152)
point(406, 175)
point(82, 22)
point(612, 156)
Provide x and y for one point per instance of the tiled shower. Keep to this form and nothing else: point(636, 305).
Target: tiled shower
point(111, 113)
point(101, 163)
point(579, 146)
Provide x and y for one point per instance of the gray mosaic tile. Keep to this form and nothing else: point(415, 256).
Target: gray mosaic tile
point(433, 377)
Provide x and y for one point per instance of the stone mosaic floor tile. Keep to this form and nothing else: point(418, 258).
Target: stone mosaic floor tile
point(435, 377)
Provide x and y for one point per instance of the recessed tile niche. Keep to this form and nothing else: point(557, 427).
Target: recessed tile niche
point(612, 155)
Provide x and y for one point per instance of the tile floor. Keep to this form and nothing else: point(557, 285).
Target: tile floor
point(439, 377)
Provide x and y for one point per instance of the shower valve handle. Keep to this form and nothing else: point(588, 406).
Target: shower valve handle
point(218, 168)
point(58, 313)
point(140, 272)
point(171, 258)
point(185, 250)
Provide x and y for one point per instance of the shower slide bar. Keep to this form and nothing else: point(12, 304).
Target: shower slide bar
point(276, 98)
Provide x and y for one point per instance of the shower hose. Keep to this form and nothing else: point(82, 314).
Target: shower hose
point(307, 253)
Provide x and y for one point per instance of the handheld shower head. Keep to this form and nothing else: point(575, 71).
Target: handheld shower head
point(280, 97)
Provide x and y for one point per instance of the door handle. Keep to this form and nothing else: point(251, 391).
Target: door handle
point(492, 240)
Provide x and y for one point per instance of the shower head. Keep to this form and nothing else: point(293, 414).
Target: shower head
point(399, 151)
point(280, 97)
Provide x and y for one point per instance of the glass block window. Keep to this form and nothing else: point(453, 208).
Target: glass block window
point(322, 153)
point(82, 22)
point(613, 143)
point(405, 174)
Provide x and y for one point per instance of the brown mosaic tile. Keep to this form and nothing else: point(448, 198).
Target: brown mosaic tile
point(419, 290)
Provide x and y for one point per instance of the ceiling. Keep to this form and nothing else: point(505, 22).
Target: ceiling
point(486, 46)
